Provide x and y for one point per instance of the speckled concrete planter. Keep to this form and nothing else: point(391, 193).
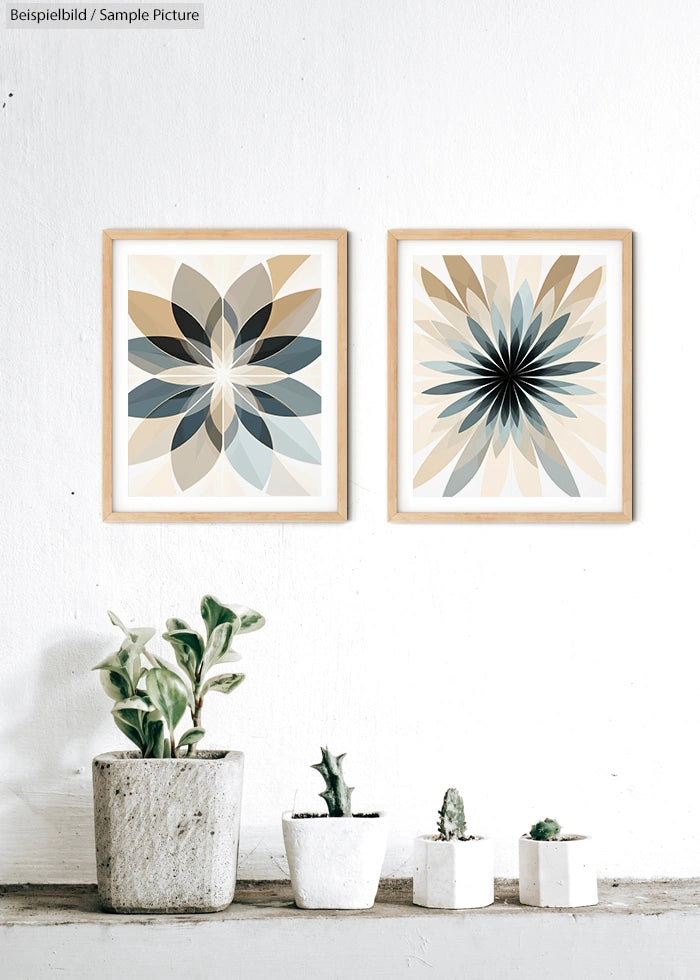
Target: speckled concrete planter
point(456, 874)
point(558, 873)
point(335, 862)
point(166, 831)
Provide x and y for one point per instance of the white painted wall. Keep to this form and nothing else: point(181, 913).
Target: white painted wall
point(544, 670)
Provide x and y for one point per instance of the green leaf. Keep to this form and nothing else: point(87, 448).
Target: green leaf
point(116, 621)
point(190, 699)
point(135, 639)
point(225, 683)
point(188, 638)
point(129, 716)
point(230, 657)
point(157, 661)
point(115, 661)
point(128, 721)
point(176, 624)
point(132, 646)
point(168, 694)
point(135, 702)
point(214, 613)
point(191, 736)
point(217, 645)
point(250, 619)
point(189, 649)
point(154, 714)
point(140, 636)
point(116, 686)
point(166, 749)
point(154, 739)
point(135, 645)
point(131, 733)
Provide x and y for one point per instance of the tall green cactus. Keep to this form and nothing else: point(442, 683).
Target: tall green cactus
point(452, 823)
point(337, 793)
point(546, 829)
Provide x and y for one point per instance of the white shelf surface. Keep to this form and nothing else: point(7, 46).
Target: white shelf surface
point(640, 930)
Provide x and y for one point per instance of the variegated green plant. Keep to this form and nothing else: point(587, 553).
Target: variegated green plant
point(150, 701)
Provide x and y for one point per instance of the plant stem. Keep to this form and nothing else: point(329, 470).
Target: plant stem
point(173, 750)
point(196, 718)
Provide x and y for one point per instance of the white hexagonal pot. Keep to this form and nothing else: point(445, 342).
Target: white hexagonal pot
point(558, 873)
point(455, 874)
point(166, 831)
point(335, 862)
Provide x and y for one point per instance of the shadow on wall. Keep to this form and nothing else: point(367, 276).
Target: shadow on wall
point(47, 801)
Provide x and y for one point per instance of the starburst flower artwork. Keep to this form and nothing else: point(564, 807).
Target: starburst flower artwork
point(225, 400)
point(511, 351)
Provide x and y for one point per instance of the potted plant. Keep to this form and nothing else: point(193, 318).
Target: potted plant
point(453, 869)
point(335, 859)
point(556, 871)
point(167, 816)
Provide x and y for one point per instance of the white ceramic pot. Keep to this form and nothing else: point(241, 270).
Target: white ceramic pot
point(335, 862)
point(456, 874)
point(558, 873)
point(166, 831)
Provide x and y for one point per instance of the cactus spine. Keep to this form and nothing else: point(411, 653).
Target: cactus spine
point(452, 823)
point(546, 829)
point(337, 793)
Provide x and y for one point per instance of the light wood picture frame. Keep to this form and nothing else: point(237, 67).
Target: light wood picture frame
point(510, 375)
point(224, 375)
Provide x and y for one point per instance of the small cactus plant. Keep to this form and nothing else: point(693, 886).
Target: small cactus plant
point(337, 793)
point(452, 824)
point(546, 829)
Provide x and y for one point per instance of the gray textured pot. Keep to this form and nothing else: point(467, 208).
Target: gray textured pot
point(166, 831)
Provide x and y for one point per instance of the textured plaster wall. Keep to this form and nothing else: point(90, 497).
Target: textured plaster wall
point(544, 670)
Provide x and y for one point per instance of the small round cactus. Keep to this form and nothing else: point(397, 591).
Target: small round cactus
point(546, 829)
point(452, 823)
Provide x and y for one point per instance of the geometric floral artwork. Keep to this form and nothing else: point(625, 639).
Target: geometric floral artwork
point(222, 379)
point(510, 353)
point(510, 363)
point(227, 375)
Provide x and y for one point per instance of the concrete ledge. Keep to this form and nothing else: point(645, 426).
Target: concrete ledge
point(639, 931)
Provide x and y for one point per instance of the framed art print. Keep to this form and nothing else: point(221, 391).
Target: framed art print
point(510, 375)
point(225, 375)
